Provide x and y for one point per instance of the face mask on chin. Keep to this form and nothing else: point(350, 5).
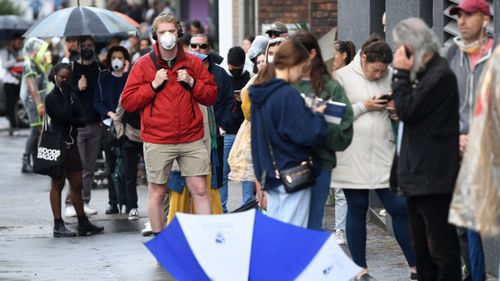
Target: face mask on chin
point(472, 48)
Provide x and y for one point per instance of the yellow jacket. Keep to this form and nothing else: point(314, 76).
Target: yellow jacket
point(245, 99)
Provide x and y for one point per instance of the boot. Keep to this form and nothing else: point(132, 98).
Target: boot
point(85, 228)
point(60, 230)
point(27, 168)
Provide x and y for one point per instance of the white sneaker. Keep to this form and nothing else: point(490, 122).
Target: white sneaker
point(339, 237)
point(133, 214)
point(147, 230)
point(70, 212)
point(89, 211)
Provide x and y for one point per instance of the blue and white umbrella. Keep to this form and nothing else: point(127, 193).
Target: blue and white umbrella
point(248, 246)
point(80, 21)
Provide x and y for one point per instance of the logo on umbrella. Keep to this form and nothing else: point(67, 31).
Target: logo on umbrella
point(219, 238)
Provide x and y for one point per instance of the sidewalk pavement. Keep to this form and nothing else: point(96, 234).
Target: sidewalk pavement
point(29, 252)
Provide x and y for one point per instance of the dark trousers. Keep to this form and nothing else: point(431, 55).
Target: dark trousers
point(11, 99)
point(111, 157)
point(357, 207)
point(131, 152)
point(435, 240)
point(89, 145)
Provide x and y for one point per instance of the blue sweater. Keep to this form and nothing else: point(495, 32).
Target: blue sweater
point(292, 127)
point(107, 93)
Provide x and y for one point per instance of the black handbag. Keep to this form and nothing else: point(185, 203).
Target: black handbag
point(51, 152)
point(294, 178)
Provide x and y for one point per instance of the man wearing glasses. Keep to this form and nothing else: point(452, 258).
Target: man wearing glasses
point(222, 108)
point(277, 29)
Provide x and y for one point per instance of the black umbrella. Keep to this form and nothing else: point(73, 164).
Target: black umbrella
point(11, 24)
point(79, 21)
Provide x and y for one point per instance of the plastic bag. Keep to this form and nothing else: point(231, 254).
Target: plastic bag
point(476, 199)
point(240, 156)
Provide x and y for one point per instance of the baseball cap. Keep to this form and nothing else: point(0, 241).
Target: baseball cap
point(278, 27)
point(472, 6)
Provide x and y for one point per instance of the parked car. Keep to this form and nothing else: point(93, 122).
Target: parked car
point(22, 115)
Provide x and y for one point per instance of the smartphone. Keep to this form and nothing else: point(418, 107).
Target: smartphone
point(408, 52)
point(237, 95)
point(386, 97)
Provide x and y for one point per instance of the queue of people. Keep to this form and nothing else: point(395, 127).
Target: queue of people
point(266, 121)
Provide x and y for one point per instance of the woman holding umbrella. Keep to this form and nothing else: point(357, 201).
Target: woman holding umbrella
point(66, 115)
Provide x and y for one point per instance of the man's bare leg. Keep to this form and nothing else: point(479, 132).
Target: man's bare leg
point(156, 202)
point(197, 185)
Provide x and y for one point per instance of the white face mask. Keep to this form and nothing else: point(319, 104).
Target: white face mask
point(270, 59)
point(117, 64)
point(167, 41)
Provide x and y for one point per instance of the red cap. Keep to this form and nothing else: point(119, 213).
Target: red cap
point(472, 6)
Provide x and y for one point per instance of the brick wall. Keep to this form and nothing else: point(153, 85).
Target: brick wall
point(321, 15)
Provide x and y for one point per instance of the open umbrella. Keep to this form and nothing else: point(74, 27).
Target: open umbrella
point(79, 21)
point(9, 24)
point(248, 246)
point(127, 18)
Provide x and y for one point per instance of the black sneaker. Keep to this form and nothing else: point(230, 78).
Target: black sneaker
point(112, 209)
point(60, 230)
point(88, 229)
point(413, 276)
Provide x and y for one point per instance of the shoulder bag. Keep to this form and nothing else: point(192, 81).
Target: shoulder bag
point(295, 178)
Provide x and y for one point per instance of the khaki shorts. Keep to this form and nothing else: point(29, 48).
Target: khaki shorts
point(192, 158)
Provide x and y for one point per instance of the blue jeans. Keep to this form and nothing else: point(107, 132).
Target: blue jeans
point(476, 256)
point(228, 143)
point(357, 206)
point(247, 186)
point(319, 194)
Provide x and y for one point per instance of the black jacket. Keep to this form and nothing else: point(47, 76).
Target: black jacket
point(428, 107)
point(65, 112)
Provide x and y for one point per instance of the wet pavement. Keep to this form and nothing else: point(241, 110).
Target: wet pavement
point(29, 252)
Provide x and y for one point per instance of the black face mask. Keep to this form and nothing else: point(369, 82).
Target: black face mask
point(236, 72)
point(65, 87)
point(87, 54)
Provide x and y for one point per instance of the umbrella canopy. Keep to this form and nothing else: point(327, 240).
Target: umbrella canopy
point(11, 24)
point(248, 246)
point(129, 19)
point(79, 21)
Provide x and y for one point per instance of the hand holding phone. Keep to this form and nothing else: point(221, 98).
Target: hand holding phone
point(386, 97)
point(237, 95)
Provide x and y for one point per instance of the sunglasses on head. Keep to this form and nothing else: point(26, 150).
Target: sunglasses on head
point(201, 46)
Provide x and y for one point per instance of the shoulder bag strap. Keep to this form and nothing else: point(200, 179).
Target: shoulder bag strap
point(271, 152)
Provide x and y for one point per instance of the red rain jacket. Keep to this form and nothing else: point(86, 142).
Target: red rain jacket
point(172, 115)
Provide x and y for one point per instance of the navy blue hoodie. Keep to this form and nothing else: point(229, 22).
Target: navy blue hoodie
point(292, 128)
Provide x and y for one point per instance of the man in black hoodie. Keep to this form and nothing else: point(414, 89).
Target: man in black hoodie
point(239, 78)
point(84, 80)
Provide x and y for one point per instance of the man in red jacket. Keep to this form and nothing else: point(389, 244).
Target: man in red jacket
point(167, 85)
